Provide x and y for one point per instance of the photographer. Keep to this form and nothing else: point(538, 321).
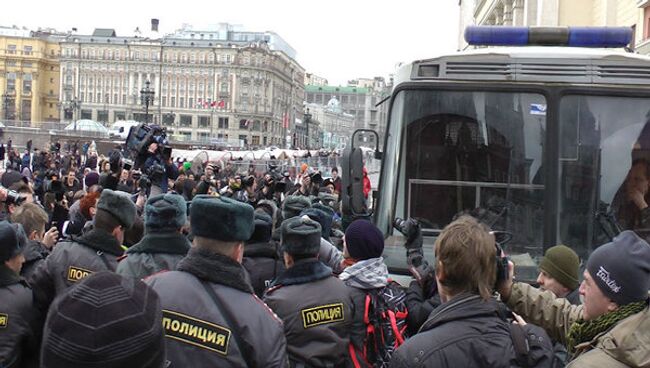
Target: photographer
point(466, 272)
point(247, 193)
point(159, 169)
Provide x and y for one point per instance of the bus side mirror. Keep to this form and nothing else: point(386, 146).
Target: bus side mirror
point(352, 200)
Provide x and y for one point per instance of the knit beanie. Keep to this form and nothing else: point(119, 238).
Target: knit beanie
point(621, 268)
point(562, 263)
point(364, 240)
point(165, 212)
point(92, 178)
point(107, 321)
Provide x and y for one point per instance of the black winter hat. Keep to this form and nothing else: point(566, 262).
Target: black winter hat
point(263, 225)
point(165, 212)
point(119, 205)
point(364, 240)
point(107, 321)
point(221, 218)
point(293, 205)
point(621, 269)
point(12, 240)
point(300, 236)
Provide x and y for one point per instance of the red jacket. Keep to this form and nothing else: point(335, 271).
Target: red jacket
point(367, 187)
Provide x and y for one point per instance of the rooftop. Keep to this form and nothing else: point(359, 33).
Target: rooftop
point(335, 89)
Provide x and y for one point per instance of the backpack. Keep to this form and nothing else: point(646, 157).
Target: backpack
point(384, 315)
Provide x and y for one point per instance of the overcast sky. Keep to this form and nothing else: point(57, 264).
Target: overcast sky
point(335, 39)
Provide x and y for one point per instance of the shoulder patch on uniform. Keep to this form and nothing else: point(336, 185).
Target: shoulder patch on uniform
point(196, 332)
point(4, 320)
point(322, 314)
point(77, 273)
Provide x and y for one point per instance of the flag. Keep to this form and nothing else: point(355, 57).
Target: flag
point(285, 120)
point(222, 104)
point(213, 104)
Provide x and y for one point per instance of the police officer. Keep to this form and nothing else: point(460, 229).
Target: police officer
point(211, 316)
point(18, 344)
point(163, 244)
point(96, 250)
point(314, 305)
point(261, 257)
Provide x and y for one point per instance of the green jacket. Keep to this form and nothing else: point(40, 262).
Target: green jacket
point(627, 344)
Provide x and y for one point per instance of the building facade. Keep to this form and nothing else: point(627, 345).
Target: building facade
point(29, 80)
point(220, 85)
point(361, 102)
point(334, 124)
point(630, 13)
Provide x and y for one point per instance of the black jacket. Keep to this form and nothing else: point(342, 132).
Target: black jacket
point(18, 322)
point(316, 309)
point(469, 332)
point(35, 253)
point(263, 263)
point(154, 253)
point(420, 303)
point(70, 261)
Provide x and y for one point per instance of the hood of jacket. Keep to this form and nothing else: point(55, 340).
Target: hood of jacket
point(34, 250)
point(627, 341)
point(464, 306)
point(168, 243)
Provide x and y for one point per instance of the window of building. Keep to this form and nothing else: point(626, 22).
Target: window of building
point(255, 140)
point(11, 62)
point(204, 121)
point(115, 101)
point(181, 102)
point(172, 102)
point(123, 99)
point(99, 97)
point(11, 82)
point(186, 120)
point(27, 83)
point(190, 102)
point(243, 124)
point(164, 101)
point(27, 64)
point(26, 110)
point(193, 58)
point(27, 50)
point(11, 49)
point(223, 123)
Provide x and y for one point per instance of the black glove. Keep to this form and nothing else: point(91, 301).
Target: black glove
point(418, 266)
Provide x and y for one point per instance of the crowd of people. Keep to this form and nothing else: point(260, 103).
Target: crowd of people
point(208, 266)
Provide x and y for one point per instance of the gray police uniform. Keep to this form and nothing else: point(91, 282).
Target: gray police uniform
point(18, 343)
point(316, 309)
point(71, 261)
point(156, 252)
point(231, 328)
point(314, 305)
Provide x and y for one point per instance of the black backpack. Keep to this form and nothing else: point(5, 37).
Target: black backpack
point(384, 315)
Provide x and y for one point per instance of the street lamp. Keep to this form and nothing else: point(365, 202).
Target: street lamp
point(146, 97)
point(307, 121)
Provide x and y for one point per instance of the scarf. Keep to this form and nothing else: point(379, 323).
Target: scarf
point(583, 331)
point(367, 274)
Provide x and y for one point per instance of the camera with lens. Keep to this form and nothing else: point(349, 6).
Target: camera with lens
point(13, 197)
point(139, 140)
point(409, 227)
point(316, 177)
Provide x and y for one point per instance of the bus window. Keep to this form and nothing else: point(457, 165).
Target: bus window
point(604, 152)
point(476, 152)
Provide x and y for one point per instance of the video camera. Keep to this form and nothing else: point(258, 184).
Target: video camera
point(141, 137)
point(13, 197)
point(276, 182)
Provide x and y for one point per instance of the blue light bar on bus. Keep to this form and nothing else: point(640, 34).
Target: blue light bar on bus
point(602, 37)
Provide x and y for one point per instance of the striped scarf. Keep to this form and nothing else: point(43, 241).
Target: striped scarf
point(583, 331)
point(367, 274)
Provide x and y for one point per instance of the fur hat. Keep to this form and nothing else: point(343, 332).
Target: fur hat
point(221, 218)
point(301, 236)
point(293, 205)
point(263, 225)
point(165, 212)
point(119, 205)
point(103, 314)
point(323, 219)
point(12, 240)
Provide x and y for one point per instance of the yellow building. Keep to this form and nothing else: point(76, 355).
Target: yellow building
point(29, 76)
point(632, 13)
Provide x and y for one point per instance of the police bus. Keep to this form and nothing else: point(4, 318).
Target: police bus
point(545, 138)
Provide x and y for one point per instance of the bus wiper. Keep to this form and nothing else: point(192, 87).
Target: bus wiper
point(607, 221)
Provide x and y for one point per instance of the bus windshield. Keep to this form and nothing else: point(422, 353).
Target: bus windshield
point(483, 153)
